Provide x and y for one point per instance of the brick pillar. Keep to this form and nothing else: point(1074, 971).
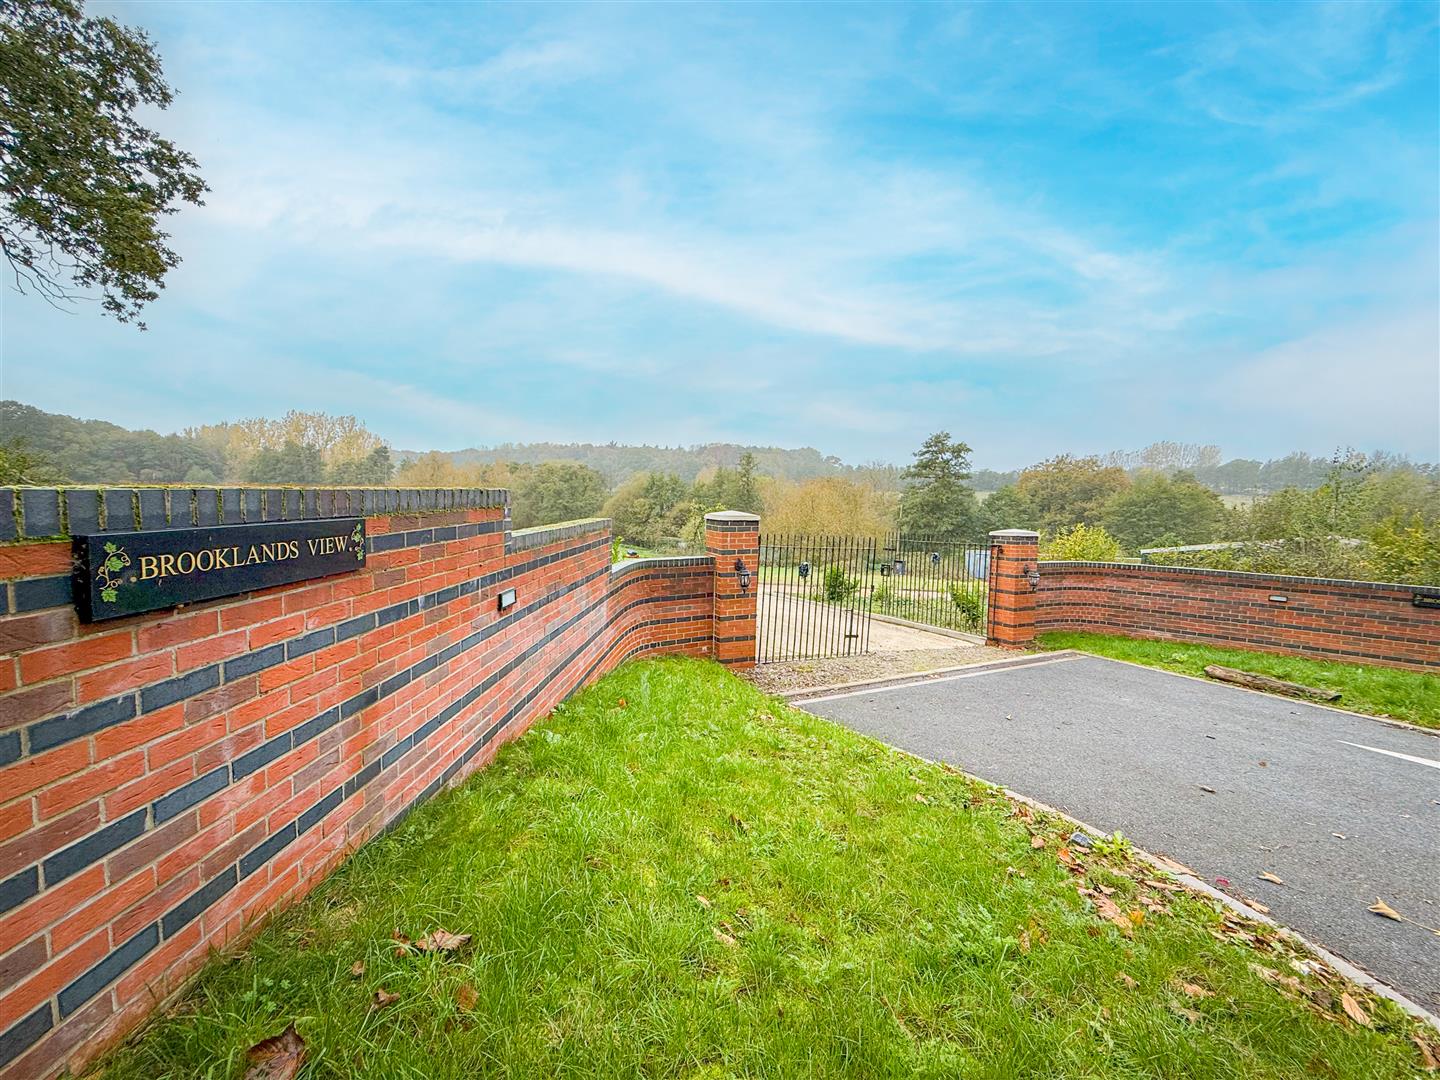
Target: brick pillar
point(1013, 552)
point(732, 535)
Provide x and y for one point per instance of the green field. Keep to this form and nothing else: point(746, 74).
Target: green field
point(676, 876)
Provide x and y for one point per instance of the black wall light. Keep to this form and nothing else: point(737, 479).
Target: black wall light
point(1032, 575)
point(743, 574)
point(507, 600)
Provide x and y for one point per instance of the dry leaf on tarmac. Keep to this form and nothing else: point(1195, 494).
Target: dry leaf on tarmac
point(442, 941)
point(466, 996)
point(1382, 908)
point(1267, 876)
point(383, 998)
point(276, 1058)
point(1354, 1011)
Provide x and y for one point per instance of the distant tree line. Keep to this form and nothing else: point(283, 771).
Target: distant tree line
point(1350, 515)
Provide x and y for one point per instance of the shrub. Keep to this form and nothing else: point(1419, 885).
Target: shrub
point(970, 603)
point(839, 585)
point(1083, 543)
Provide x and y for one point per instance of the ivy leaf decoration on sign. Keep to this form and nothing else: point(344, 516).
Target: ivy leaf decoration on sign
point(111, 574)
point(358, 540)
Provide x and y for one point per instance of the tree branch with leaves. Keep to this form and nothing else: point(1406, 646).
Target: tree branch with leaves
point(83, 183)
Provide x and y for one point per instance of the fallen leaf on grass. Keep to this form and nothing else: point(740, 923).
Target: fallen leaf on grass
point(402, 943)
point(621, 703)
point(1188, 1014)
point(1107, 910)
point(1267, 876)
point(1037, 841)
point(1429, 1056)
point(1025, 942)
point(276, 1058)
point(725, 939)
point(1354, 1011)
point(1190, 989)
point(739, 824)
point(383, 998)
point(1063, 854)
point(702, 900)
point(466, 996)
point(920, 798)
point(442, 941)
point(357, 969)
point(1126, 980)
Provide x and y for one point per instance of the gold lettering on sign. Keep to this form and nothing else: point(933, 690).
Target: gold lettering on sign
point(205, 560)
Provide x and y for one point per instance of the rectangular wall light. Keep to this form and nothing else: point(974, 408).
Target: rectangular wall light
point(507, 599)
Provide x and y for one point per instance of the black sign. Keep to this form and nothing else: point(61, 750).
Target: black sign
point(1421, 600)
point(125, 573)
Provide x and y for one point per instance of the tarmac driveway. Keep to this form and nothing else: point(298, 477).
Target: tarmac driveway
point(1343, 808)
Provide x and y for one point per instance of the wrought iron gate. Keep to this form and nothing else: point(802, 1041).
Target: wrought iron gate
point(817, 594)
point(936, 582)
point(814, 596)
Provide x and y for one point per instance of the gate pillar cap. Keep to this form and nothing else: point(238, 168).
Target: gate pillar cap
point(1016, 534)
point(731, 515)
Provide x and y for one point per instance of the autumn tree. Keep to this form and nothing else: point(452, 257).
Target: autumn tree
point(1066, 491)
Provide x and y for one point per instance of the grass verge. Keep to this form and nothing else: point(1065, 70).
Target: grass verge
point(1379, 691)
point(675, 875)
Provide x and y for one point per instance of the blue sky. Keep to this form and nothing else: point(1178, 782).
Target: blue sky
point(1043, 228)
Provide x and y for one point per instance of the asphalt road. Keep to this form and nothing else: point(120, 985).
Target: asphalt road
point(1130, 748)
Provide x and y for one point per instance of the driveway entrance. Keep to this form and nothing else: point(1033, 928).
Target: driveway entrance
point(1343, 809)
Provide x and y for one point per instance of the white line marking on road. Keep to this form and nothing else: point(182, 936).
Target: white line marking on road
point(922, 681)
point(1393, 753)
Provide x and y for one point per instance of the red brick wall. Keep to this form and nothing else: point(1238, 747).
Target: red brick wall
point(169, 779)
point(1359, 622)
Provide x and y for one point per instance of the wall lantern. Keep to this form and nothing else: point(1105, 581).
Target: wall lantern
point(804, 569)
point(743, 574)
point(507, 600)
point(1032, 575)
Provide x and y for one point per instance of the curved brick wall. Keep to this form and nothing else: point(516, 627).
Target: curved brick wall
point(168, 779)
point(1355, 621)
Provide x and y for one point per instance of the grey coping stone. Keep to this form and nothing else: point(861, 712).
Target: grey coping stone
point(82, 510)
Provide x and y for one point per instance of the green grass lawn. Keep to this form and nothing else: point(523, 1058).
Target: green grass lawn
point(1379, 691)
point(676, 876)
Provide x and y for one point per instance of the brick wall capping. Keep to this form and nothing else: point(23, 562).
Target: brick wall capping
point(526, 539)
point(1014, 534)
point(732, 516)
point(34, 513)
point(660, 562)
point(1281, 581)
